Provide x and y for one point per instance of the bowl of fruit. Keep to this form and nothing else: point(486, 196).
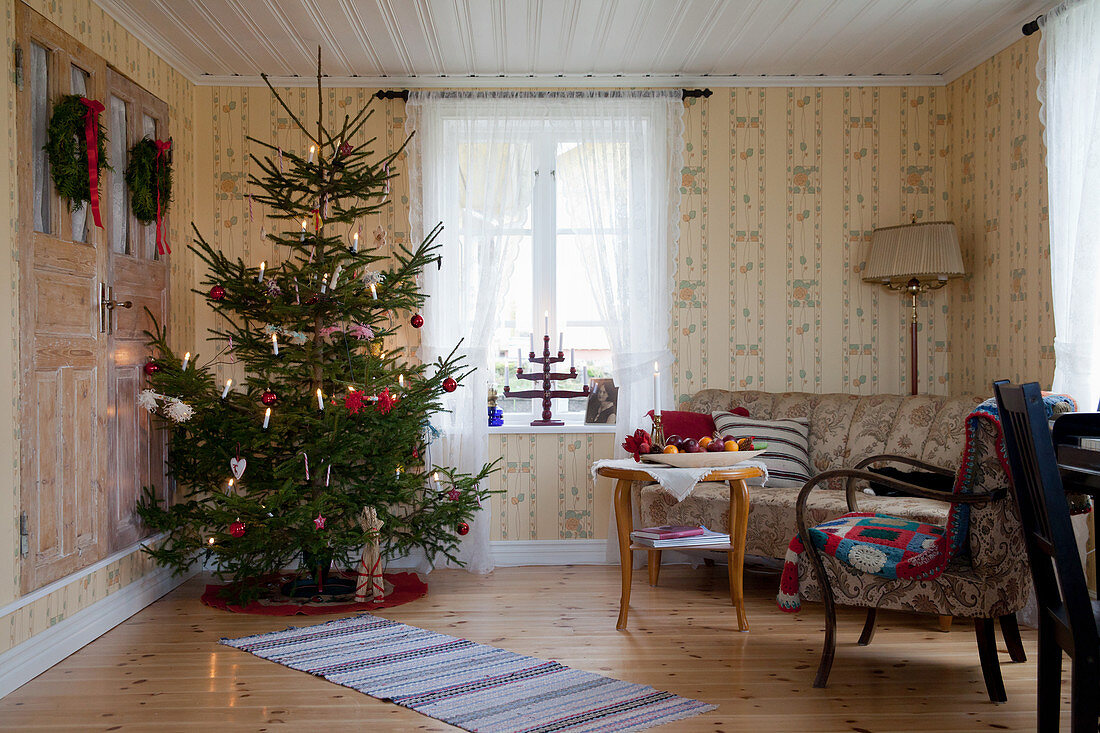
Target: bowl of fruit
point(714, 451)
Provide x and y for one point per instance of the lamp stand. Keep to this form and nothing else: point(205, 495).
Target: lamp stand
point(913, 288)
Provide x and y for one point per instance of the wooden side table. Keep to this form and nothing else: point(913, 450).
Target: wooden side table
point(735, 550)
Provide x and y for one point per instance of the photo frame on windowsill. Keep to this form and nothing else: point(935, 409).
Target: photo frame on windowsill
point(603, 402)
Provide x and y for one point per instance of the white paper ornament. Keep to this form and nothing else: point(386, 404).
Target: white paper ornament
point(237, 465)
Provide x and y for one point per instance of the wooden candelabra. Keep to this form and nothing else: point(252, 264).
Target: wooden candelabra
point(546, 394)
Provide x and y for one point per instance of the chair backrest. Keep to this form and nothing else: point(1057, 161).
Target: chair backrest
point(1044, 512)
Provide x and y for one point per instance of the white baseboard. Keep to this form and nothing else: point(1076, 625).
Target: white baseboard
point(508, 553)
point(24, 662)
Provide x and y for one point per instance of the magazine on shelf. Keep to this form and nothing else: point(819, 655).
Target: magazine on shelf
point(668, 532)
point(705, 539)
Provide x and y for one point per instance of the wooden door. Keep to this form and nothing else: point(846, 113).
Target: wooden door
point(62, 352)
point(139, 275)
point(86, 450)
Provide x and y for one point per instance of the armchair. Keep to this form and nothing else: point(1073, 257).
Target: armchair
point(974, 566)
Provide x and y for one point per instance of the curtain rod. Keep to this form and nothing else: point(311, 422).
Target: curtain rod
point(1032, 27)
point(403, 94)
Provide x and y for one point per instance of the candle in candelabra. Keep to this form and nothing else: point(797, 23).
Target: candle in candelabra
point(355, 242)
point(275, 343)
point(571, 355)
point(186, 358)
point(507, 374)
point(532, 349)
point(519, 359)
point(320, 400)
point(267, 417)
point(656, 387)
point(263, 266)
point(546, 322)
point(312, 151)
point(561, 338)
point(373, 291)
point(228, 384)
point(584, 377)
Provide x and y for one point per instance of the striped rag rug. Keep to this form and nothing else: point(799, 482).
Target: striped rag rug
point(472, 686)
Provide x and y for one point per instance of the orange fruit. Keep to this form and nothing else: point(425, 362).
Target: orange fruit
point(671, 449)
point(731, 445)
point(705, 441)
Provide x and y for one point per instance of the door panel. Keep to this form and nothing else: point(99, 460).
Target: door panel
point(136, 447)
point(62, 353)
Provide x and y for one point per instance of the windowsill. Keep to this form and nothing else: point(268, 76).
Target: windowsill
point(523, 428)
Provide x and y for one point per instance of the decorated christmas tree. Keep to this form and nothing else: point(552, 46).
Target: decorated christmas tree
point(331, 425)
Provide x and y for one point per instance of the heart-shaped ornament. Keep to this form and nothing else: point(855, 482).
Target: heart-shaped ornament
point(237, 465)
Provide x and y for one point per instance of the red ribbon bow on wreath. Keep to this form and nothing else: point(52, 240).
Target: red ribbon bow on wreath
point(163, 149)
point(91, 136)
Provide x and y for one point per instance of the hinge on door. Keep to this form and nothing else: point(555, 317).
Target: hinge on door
point(24, 536)
point(19, 68)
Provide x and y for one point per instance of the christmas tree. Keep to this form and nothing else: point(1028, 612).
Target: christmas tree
point(330, 421)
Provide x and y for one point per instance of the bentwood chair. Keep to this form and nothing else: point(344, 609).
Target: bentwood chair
point(1068, 618)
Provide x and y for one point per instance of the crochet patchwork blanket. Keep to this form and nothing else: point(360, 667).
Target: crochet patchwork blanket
point(898, 548)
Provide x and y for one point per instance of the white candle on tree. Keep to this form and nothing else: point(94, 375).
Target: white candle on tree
point(312, 152)
point(373, 291)
point(228, 384)
point(355, 242)
point(267, 417)
point(263, 266)
point(275, 343)
point(320, 400)
point(186, 359)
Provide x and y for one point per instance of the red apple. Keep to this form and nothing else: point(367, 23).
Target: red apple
point(674, 440)
point(689, 445)
point(715, 446)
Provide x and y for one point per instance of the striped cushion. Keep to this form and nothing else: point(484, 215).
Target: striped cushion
point(788, 453)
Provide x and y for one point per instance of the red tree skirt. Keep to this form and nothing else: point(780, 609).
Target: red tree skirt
point(406, 587)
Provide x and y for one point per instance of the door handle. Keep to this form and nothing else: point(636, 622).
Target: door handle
point(107, 305)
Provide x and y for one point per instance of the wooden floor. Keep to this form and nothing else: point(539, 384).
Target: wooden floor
point(163, 670)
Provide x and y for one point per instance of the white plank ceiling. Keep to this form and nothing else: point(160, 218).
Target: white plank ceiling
point(575, 42)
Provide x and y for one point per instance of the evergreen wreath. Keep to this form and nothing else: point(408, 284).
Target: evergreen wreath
point(144, 179)
point(67, 149)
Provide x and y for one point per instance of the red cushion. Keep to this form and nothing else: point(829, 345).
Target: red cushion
point(692, 424)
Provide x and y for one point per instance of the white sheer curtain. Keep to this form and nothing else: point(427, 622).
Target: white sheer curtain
point(622, 186)
point(618, 182)
point(1069, 92)
point(470, 167)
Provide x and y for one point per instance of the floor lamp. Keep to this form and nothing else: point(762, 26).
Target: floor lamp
point(913, 259)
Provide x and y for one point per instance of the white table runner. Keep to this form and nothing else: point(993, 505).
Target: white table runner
point(678, 481)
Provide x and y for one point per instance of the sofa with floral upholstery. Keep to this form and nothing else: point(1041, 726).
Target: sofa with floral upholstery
point(843, 429)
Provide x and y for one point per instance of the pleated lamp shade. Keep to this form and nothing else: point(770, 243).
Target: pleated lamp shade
point(925, 251)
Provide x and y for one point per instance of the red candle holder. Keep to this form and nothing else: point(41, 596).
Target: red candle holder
point(547, 377)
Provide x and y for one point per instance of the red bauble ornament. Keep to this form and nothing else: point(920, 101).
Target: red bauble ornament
point(463, 529)
point(151, 368)
point(269, 398)
point(417, 320)
point(449, 384)
point(237, 529)
point(217, 293)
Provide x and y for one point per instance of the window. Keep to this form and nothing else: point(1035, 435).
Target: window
point(549, 292)
point(560, 213)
